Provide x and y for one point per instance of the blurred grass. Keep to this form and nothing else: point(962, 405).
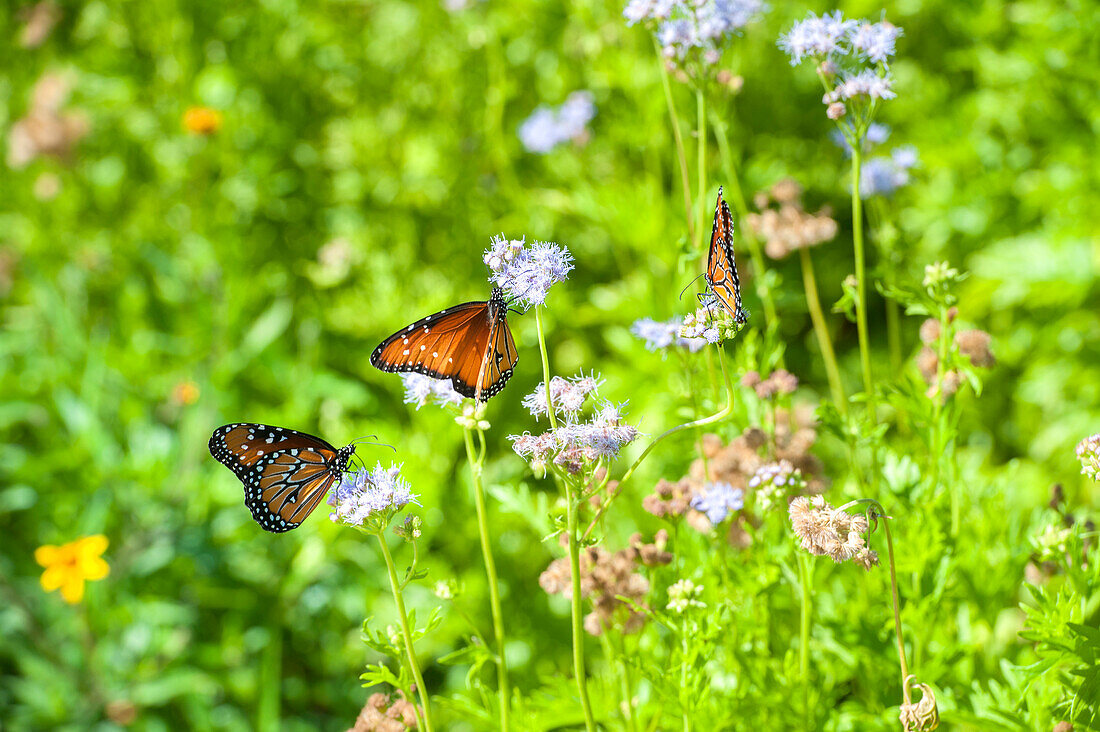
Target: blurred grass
point(168, 258)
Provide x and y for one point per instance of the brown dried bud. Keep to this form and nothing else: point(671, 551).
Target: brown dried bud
point(923, 716)
point(928, 364)
point(974, 344)
point(1057, 495)
point(836, 110)
point(786, 191)
point(930, 331)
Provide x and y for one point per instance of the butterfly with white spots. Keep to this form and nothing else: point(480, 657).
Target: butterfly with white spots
point(285, 473)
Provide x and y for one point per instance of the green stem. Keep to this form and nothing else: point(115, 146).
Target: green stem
point(737, 197)
point(681, 154)
point(805, 579)
point(897, 609)
point(573, 509)
point(545, 368)
point(821, 329)
point(701, 133)
point(490, 574)
point(861, 284)
point(414, 666)
point(685, 697)
point(725, 412)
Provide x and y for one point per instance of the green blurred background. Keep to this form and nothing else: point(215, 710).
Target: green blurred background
point(368, 151)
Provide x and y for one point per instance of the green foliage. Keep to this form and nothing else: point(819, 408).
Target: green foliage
point(175, 282)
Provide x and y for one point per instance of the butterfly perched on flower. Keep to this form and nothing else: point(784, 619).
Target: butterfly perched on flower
point(470, 344)
point(285, 473)
point(721, 274)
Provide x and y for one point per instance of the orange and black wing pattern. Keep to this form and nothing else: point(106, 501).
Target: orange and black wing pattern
point(285, 473)
point(470, 344)
point(721, 275)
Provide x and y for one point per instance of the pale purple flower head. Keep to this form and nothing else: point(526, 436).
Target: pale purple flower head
point(874, 41)
point(866, 83)
point(639, 11)
point(660, 335)
point(711, 323)
point(526, 272)
point(1088, 452)
point(365, 495)
point(718, 500)
point(568, 395)
point(575, 444)
point(548, 127)
point(881, 176)
point(719, 18)
point(816, 37)
point(421, 390)
point(704, 24)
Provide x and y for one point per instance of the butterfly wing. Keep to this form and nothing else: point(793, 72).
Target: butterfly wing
point(285, 473)
point(722, 277)
point(460, 343)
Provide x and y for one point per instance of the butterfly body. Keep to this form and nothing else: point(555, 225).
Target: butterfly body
point(721, 275)
point(285, 473)
point(470, 344)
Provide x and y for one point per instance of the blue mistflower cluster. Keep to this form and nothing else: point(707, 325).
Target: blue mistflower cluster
point(659, 335)
point(422, 390)
point(548, 127)
point(718, 501)
point(527, 272)
point(686, 26)
point(363, 495)
point(882, 175)
point(852, 58)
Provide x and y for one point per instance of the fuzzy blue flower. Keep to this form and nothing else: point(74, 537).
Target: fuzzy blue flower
point(547, 127)
point(567, 395)
point(527, 273)
point(816, 37)
point(421, 390)
point(881, 176)
point(365, 495)
point(639, 11)
point(875, 41)
point(718, 500)
point(660, 335)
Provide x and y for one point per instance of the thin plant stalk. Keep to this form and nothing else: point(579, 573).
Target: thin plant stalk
point(805, 580)
point(573, 500)
point(572, 510)
point(701, 133)
point(476, 461)
point(685, 698)
point(737, 197)
point(717, 417)
point(406, 632)
point(681, 154)
point(821, 330)
point(861, 283)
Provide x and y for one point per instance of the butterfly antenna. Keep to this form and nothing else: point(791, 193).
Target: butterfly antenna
point(368, 440)
point(689, 285)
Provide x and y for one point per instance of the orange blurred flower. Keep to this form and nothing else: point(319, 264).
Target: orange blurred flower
point(202, 120)
point(185, 393)
point(69, 565)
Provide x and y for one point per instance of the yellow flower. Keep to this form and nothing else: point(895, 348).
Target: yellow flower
point(68, 565)
point(202, 120)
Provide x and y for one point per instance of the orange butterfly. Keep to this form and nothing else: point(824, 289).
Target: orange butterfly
point(721, 274)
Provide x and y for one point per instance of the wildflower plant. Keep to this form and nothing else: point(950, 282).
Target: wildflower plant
point(69, 566)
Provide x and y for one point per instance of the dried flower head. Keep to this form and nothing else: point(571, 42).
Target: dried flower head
point(975, 345)
point(46, 130)
point(825, 531)
point(788, 227)
point(548, 127)
point(370, 497)
point(1088, 452)
point(923, 716)
point(607, 577)
point(39, 21)
point(527, 272)
point(930, 331)
point(383, 713)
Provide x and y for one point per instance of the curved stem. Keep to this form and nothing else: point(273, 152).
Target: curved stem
point(406, 633)
point(725, 412)
point(821, 329)
point(681, 155)
point(573, 509)
point(545, 368)
point(490, 573)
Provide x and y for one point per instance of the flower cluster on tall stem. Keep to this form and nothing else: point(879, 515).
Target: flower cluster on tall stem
point(369, 501)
